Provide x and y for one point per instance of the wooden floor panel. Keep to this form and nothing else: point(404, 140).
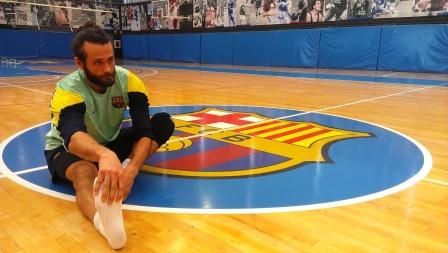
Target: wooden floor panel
point(413, 220)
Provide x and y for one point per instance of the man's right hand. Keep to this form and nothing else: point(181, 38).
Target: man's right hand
point(109, 171)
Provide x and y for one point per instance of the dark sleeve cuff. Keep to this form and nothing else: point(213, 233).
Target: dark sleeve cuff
point(139, 112)
point(71, 120)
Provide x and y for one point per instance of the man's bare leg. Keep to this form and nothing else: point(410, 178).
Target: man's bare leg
point(108, 219)
point(82, 174)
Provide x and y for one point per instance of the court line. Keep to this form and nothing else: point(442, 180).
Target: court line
point(32, 81)
point(276, 73)
point(388, 74)
point(329, 82)
point(28, 85)
point(308, 112)
point(155, 72)
point(30, 170)
point(434, 181)
point(25, 88)
point(25, 171)
point(429, 180)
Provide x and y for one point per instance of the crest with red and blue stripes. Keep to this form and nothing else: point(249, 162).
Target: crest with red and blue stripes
point(221, 143)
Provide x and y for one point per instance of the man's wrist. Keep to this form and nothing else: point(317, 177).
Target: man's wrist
point(104, 152)
point(133, 169)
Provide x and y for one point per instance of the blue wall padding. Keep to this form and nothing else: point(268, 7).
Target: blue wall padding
point(160, 47)
point(416, 48)
point(19, 44)
point(252, 48)
point(135, 47)
point(187, 48)
point(216, 48)
point(295, 48)
point(349, 48)
point(55, 44)
point(422, 48)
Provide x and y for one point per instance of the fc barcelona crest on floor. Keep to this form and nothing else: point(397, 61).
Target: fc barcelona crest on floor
point(222, 143)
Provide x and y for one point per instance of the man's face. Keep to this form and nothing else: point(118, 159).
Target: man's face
point(99, 66)
point(318, 6)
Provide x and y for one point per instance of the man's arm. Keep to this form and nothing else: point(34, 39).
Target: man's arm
point(86, 147)
point(141, 150)
point(109, 166)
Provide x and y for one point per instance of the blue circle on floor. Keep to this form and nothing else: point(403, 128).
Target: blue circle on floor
point(246, 159)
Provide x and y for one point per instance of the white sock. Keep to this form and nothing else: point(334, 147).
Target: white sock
point(109, 221)
point(125, 163)
point(98, 224)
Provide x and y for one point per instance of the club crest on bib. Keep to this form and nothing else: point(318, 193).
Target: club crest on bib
point(118, 102)
point(221, 143)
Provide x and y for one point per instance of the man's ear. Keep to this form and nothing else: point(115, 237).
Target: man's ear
point(78, 62)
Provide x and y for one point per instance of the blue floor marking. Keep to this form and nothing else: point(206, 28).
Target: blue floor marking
point(355, 170)
point(25, 71)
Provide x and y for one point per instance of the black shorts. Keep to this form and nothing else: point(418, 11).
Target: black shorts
point(59, 159)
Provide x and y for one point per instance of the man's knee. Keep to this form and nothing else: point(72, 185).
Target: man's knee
point(81, 171)
point(163, 127)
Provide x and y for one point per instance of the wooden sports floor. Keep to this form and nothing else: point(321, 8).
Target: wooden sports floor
point(412, 220)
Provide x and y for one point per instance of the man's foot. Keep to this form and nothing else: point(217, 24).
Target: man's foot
point(109, 221)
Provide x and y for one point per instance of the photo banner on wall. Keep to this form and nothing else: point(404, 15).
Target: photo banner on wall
point(56, 14)
point(184, 14)
point(210, 13)
point(80, 16)
point(23, 14)
point(335, 10)
point(155, 15)
point(360, 9)
point(45, 14)
point(134, 17)
point(61, 14)
point(109, 19)
point(159, 12)
point(7, 13)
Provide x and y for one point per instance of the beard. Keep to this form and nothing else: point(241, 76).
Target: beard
point(104, 81)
